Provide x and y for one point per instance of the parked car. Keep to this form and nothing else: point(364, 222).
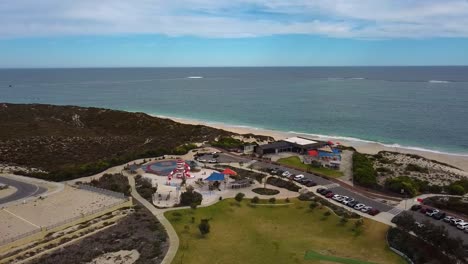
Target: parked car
point(416, 207)
point(310, 184)
point(342, 198)
point(336, 197)
point(321, 190)
point(212, 161)
point(298, 177)
point(431, 211)
point(274, 171)
point(347, 201)
point(326, 192)
point(466, 230)
point(330, 194)
point(373, 211)
point(423, 210)
point(286, 174)
point(456, 221)
point(439, 215)
point(366, 209)
point(359, 206)
point(202, 160)
point(448, 219)
point(353, 203)
point(462, 225)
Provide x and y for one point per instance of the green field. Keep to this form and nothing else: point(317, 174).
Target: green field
point(297, 163)
point(242, 233)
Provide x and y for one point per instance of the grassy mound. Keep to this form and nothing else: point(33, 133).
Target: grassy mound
point(297, 163)
point(245, 233)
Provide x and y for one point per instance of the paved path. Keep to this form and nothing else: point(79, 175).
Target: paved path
point(23, 190)
point(159, 214)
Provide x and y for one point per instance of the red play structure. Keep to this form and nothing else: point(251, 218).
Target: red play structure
point(181, 171)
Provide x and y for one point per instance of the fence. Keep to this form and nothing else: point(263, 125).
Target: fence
point(101, 191)
point(63, 222)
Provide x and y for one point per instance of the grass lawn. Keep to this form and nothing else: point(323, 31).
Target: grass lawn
point(294, 161)
point(243, 233)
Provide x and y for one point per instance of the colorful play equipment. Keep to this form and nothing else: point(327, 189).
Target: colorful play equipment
point(182, 170)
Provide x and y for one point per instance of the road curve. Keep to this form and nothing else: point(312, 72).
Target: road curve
point(24, 190)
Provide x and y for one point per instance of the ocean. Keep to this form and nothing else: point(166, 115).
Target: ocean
point(416, 107)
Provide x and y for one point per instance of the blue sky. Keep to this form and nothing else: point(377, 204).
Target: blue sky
point(88, 33)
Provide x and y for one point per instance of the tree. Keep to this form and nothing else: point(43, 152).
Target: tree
point(255, 199)
point(190, 197)
point(272, 200)
point(239, 197)
point(204, 227)
point(313, 205)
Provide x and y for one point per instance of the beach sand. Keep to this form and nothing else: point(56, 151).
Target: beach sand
point(458, 161)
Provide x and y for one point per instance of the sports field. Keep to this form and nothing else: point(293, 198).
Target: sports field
point(242, 233)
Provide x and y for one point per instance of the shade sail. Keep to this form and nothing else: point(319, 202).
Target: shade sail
point(215, 176)
point(313, 153)
point(228, 171)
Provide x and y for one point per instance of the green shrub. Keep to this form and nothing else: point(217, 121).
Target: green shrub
point(239, 197)
point(272, 200)
point(255, 199)
point(456, 189)
point(363, 170)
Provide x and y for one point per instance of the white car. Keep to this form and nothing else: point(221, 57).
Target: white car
point(336, 197)
point(366, 209)
point(342, 198)
point(462, 225)
point(286, 174)
point(202, 160)
point(347, 200)
point(212, 161)
point(431, 212)
point(298, 177)
point(359, 206)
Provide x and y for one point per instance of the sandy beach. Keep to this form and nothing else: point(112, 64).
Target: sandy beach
point(458, 161)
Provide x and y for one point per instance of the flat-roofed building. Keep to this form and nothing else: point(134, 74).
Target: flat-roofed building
point(293, 144)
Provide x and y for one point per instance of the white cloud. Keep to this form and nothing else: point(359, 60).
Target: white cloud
point(236, 18)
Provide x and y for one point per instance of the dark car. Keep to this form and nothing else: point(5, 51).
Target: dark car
point(329, 195)
point(324, 193)
point(320, 190)
point(310, 184)
point(353, 203)
point(423, 209)
point(416, 207)
point(439, 215)
point(373, 211)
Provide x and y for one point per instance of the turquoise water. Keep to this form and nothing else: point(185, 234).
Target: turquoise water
point(423, 107)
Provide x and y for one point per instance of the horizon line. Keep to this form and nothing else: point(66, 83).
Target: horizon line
point(275, 66)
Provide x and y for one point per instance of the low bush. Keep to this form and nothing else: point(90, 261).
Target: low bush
point(265, 191)
point(283, 184)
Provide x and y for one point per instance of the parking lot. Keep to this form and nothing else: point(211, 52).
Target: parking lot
point(452, 230)
point(333, 187)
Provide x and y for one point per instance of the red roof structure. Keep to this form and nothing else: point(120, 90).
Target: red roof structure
point(313, 153)
point(228, 171)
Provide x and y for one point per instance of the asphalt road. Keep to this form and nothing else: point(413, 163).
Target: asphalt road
point(24, 190)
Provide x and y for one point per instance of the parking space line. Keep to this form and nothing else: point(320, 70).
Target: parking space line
point(17, 216)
